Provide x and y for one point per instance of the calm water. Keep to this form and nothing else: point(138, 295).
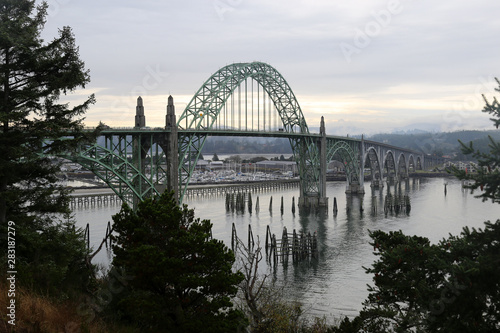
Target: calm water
point(335, 284)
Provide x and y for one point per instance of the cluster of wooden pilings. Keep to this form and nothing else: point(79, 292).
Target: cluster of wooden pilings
point(397, 204)
point(106, 239)
point(298, 246)
point(240, 202)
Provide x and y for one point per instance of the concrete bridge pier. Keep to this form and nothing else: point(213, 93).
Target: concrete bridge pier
point(377, 183)
point(391, 179)
point(323, 199)
point(357, 186)
point(320, 199)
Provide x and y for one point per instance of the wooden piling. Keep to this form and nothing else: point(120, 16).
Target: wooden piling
point(234, 237)
point(87, 235)
point(251, 242)
point(250, 202)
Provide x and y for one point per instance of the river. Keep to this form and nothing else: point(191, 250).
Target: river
point(333, 285)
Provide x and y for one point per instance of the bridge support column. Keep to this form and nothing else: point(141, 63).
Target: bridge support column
point(312, 201)
point(392, 179)
point(171, 149)
point(355, 188)
point(358, 186)
point(139, 149)
point(376, 183)
point(323, 163)
point(319, 198)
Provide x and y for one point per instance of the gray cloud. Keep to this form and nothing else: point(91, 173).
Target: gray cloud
point(451, 44)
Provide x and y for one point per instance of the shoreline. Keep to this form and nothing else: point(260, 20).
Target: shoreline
point(329, 179)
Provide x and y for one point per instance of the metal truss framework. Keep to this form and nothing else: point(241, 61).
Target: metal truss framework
point(131, 164)
point(124, 178)
point(133, 161)
point(205, 107)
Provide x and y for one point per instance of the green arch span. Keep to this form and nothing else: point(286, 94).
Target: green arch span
point(116, 171)
point(205, 106)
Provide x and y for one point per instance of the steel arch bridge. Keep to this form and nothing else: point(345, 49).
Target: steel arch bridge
point(206, 107)
point(241, 99)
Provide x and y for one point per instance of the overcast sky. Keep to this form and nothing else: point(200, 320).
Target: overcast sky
point(368, 66)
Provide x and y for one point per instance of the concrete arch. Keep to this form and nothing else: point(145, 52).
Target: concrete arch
point(402, 166)
point(419, 164)
point(372, 159)
point(389, 165)
point(343, 152)
point(411, 163)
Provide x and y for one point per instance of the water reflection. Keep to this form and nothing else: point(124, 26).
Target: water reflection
point(334, 284)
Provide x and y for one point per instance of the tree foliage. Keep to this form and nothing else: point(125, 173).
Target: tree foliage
point(33, 77)
point(183, 279)
point(452, 286)
point(487, 177)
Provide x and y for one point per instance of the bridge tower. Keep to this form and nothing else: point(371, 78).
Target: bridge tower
point(140, 118)
point(171, 148)
point(316, 198)
point(323, 199)
point(140, 148)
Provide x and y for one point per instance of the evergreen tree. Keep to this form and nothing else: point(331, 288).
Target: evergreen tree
point(487, 177)
point(451, 286)
point(183, 279)
point(33, 76)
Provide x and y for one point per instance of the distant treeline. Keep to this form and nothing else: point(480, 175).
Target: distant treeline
point(439, 144)
point(239, 145)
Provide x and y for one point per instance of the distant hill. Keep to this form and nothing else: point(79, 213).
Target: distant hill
point(439, 143)
point(428, 143)
point(239, 145)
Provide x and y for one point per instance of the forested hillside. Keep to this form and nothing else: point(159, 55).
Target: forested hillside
point(439, 143)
